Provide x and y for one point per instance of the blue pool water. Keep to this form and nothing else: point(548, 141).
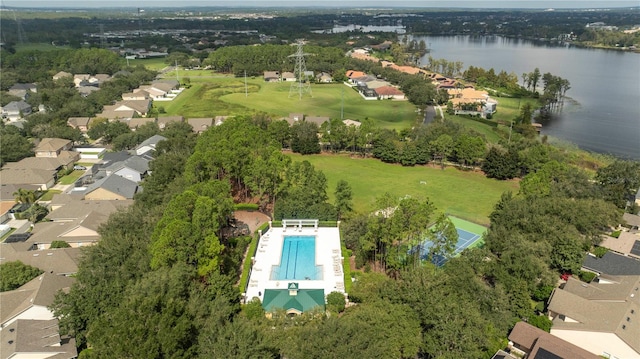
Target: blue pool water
point(298, 259)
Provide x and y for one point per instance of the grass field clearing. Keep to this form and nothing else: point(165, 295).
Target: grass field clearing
point(213, 95)
point(468, 195)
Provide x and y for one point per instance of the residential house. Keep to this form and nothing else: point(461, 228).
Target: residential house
point(363, 80)
point(200, 125)
point(109, 113)
point(16, 110)
point(36, 339)
point(141, 107)
point(288, 76)
point(86, 90)
point(389, 92)
point(32, 300)
point(61, 74)
point(348, 122)
point(149, 144)
point(138, 95)
point(271, 76)
point(153, 92)
point(318, 120)
point(60, 261)
point(136, 122)
point(80, 232)
point(99, 78)
point(377, 84)
point(134, 168)
point(531, 342)
point(632, 221)
point(164, 121)
point(43, 179)
point(52, 147)
point(294, 118)
point(23, 90)
point(64, 161)
point(78, 79)
point(601, 317)
point(324, 77)
point(81, 123)
point(113, 187)
point(167, 84)
point(68, 208)
point(351, 74)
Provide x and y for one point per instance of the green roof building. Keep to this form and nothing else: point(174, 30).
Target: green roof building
point(293, 300)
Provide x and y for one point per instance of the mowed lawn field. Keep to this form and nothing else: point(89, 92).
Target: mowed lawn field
point(218, 95)
point(468, 195)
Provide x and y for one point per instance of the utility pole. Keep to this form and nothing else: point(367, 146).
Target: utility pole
point(342, 105)
point(177, 77)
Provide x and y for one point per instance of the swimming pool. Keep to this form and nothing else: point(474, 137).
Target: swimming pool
point(298, 259)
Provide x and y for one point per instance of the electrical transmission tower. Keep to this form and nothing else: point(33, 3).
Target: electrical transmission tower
point(300, 86)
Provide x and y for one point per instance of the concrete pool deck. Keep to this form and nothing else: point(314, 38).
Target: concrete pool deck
point(328, 257)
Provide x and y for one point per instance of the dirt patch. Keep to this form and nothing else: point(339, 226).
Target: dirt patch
point(253, 219)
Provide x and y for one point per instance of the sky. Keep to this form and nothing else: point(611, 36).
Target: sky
point(540, 4)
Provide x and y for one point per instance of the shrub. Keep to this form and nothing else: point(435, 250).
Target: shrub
point(587, 276)
point(600, 251)
point(246, 207)
point(540, 321)
point(59, 244)
point(335, 302)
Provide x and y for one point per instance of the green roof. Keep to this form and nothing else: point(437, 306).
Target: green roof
point(306, 299)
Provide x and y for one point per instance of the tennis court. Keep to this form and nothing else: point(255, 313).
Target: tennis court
point(469, 236)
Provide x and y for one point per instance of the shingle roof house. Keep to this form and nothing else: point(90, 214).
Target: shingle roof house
point(31, 301)
point(537, 343)
point(112, 187)
point(602, 317)
point(52, 147)
point(36, 339)
point(149, 144)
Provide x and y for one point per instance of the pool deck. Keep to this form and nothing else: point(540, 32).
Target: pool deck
point(328, 256)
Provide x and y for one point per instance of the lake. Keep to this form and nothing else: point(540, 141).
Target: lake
point(603, 111)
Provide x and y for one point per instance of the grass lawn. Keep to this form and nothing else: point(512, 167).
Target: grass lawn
point(71, 177)
point(509, 108)
point(468, 195)
point(489, 132)
point(31, 46)
point(48, 195)
point(211, 95)
point(155, 64)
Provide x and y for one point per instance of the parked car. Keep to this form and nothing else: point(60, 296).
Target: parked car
point(78, 167)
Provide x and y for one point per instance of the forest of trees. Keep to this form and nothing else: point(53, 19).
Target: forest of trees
point(161, 281)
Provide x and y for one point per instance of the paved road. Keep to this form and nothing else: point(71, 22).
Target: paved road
point(429, 114)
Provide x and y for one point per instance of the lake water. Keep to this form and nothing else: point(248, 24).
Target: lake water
point(603, 112)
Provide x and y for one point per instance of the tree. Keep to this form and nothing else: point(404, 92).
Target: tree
point(14, 147)
point(36, 212)
point(619, 181)
point(14, 274)
point(24, 196)
point(469, 149)
point(343, 198)
point(500, 164)
point(304, 138)
point(441, 148)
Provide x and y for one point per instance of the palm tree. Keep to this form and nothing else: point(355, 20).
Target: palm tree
point(24, 196)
